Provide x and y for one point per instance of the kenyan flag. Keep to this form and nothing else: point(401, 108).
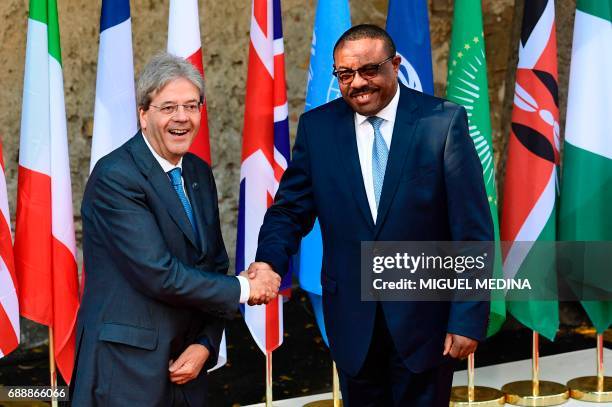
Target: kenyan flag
point(586, 194)
point(530, 188)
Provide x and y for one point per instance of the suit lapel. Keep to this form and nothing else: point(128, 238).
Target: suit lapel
point(161, 184)
point(194, 192)
point(405, 123)
point(347, 151)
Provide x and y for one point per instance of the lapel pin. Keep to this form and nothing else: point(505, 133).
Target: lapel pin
point(195, 185)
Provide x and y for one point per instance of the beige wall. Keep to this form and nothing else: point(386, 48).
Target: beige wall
point(225, 35)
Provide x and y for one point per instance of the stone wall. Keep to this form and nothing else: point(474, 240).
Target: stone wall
point(225, 36)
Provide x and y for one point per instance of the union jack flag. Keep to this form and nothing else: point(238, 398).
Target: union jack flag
point(265, 154)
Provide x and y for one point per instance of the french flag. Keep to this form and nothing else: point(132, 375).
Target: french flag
point(265, 154)
point(115, 105)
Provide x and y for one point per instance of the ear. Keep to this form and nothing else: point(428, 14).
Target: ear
point(396, 62)
point(142, 117)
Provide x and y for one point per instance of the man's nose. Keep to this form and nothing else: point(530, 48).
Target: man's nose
point(358, 81)
point(180, 115)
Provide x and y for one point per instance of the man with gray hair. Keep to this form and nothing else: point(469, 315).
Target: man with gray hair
point(156, 292)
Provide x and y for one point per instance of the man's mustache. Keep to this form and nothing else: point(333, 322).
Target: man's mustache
point(361, 91)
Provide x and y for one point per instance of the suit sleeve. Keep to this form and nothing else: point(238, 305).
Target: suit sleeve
point(469, 216)
point(293, 213)
point(123, 220)
point(210, 335)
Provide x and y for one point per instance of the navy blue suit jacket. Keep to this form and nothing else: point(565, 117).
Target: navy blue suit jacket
point(433, 191)
point(151, 288)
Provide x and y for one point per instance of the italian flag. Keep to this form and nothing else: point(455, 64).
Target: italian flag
point(586, 193)
point(468, 86)
point(44, 239)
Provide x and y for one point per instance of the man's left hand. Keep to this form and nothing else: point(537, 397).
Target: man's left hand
point(189, 363)
point(458, 346)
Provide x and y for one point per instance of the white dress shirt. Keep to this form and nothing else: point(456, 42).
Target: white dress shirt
point(365, 138)
point(245, 289)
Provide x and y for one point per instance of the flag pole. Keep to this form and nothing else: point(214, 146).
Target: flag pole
point(535, 392)
point(52, 370)
point(596, 389)
point(600, 363)
point(268, 379)
point(471, 395)
point(535, 363)
point(470, 377)
point(335, 386)
point(335, 401)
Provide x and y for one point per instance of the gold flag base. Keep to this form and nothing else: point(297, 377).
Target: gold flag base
point(322, 403)
point(521, 393)
point(483, 397)
point(586, 389)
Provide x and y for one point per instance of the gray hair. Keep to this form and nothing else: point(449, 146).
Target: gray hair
point(162, 69)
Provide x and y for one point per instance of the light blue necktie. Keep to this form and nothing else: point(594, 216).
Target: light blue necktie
point(380, 153)
point(177, 184)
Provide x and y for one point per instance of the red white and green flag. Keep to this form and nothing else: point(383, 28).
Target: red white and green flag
point(530, 188)
point(45, 244)
point(586, 193)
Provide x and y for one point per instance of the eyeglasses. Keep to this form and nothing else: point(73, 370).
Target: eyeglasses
point(189, 108)
point(346, 76)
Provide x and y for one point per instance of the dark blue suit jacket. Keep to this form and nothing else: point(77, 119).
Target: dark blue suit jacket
point(151, 287)
point(433, 191)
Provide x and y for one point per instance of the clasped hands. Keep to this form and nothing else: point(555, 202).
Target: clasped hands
point(263, 282)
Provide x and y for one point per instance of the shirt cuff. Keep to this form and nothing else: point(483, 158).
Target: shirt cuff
point(245, 289)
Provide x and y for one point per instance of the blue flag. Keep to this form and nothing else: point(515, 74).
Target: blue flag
point(408, 25)
point(332, 18)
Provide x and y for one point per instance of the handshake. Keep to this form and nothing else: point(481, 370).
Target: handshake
point(263, 282)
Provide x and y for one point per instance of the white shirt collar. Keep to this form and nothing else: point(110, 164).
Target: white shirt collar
point(165, 164)
point(387, 113)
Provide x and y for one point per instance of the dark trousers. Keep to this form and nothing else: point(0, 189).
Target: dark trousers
point(385, 381)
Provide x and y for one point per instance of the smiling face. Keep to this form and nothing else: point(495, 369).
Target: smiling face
point(367, 97)
point(171, 135)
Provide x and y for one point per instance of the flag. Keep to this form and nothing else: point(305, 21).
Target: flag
point(408, 25)
point(45, 244)
point(586, 193)
point(332, 18)
point(184, 41)
point(468, 86)
point(9, 305)
point(115, 105)
point(265, 154)
point(530, 189)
